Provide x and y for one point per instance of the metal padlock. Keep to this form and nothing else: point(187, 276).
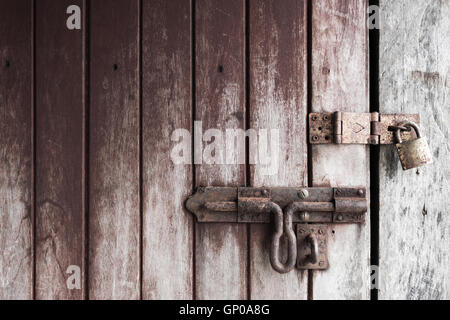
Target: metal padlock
point(412, 153)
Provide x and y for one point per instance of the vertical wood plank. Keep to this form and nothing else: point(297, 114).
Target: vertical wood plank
point(16, 240)
point(221, 249)
point(114, 210)
point(340, 83)
point(167, 106)
point(59, 151)
point(414, 220)
point(278, 92)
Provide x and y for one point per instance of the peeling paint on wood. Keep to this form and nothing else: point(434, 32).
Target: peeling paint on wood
point(278, 91)
point(59, 153)
point(167, 106)
point(114, 210)
point(16, 258)
point(339, 46)
point(221, 249)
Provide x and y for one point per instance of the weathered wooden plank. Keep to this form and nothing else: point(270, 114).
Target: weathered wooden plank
point(59, 152)
point(340, 83)
point(16, 240)
point(114, 210)
point(414, 220)
point(167, 106)
point(221, 249)
point(278, 91)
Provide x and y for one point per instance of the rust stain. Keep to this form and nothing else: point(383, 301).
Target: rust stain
point(429, 78)
point(424, 211)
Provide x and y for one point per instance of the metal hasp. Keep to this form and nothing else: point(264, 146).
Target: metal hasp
point(358, 128)
point(310, 208)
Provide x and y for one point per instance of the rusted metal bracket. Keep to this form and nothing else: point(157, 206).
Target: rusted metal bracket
point(357, 128)
point(307, 248)
point(312, 246)
point(245, 204)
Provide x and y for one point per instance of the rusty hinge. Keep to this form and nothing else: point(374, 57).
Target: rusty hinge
point(357, 128)
point(311, 208)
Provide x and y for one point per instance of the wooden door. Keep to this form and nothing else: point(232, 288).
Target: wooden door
point(90, 117)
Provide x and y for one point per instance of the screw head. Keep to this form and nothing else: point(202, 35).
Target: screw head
point(315, 138)
point(265, 193)
point(340, 217)
point(321, 263)
point(320, 231)
point(303, 194)
point(314, 118)
point(325, 117)
point(305, 216)
point(361, 192)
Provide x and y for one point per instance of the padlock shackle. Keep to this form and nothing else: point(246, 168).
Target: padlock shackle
point(407, 124)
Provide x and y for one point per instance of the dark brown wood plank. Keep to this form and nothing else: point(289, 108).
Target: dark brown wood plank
point(167, 106)
point(59, 151)
point(114, 211)
point(221, 249)
point(340, 83)
point(16, 240)
point(278, 91)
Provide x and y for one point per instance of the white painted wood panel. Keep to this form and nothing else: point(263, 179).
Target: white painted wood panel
point(414, 204)
point(340, 83)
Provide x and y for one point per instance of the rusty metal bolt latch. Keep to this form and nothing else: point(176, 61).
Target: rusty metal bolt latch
point(311, 209)
point(283, 224)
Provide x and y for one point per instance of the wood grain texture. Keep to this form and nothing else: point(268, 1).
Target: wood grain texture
point(414, 220)
point(59, 151)
point(167, 106)
point(221, 249)
point(278, 91)
point(114, 210)
point(16, 239)
point(340, 83)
